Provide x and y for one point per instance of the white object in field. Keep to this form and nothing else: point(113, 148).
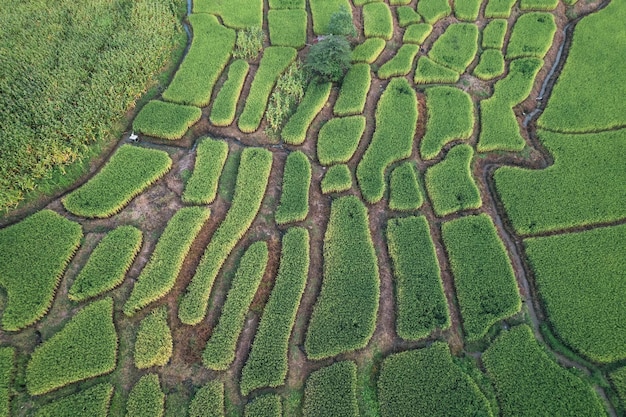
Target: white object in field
point(133, 137)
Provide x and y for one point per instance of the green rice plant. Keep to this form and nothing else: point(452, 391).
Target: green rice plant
point(287, 27)
point(590, 188)
point(338, 139)
point(338, 178)
point(344, 315)
point(31, 271)
point(407, 16)
point(84, 348)
point(546, 5)
point(268, 405)
point(128, 173)
point(421, 303)
point(7, 364)
point(166, 120)
point(108, 263)
point(208, 401)
point(275, 60)
point(201, 188)
point(531, 35)
point(404, 191)
point(494, 33)
point(354, 89)
point(456, 47)
point(238, 14)
point(562, 266)
point(249, 43)
point(467, 9)
point(491, 65)
point(483, 276)
point(159, 275)
point(578, 102)
point(153, 346)
point(450, 117)
point(225, 104)
point(90, 402)
point(252, 178)
point(401, 63)
point(322, 10)
point(417, 33)
point(430, 72)
point(499, 8)
point(377, 21)
point(146, 399)
point(428, 382)
point(331, 391)
point(219, 352)
point(368, 51)
point(392, 140)
point(433, 10)
point(294, 199)
point(267, 364)
point(529, 383)
point(450, 183)
point(618, 378)
point(287, 4)
point(360, 3)
point(399, 2)
point(315, 97)
point(210, 51)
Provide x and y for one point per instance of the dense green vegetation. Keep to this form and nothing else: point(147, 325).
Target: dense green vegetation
point(268, 405)
point(7, 364)
point(146, 399)
point(417, 33)
point(331, 392)
point(401, 63)
point(456, 47)
point(491, 65)
point(618, 378)
point(354, 89)
point(153, 346)
point(238, 14)
point(91, 402)
point(499, 8)
point(108, 263)
point(494, 33)
point(338, 139)
point(531, 35)
point(287, 27)
point(377, 21)
point(166, 120)
point(368, 51)
point(467, 9)
point(225, 103)
point(404, 191)
point(315, 97)
point(322, 10)
point(294, 199)
point(538, 4)
point(208, 401)
point(338, 178)
point(129, 172)
point(433, 10)
point(407, 16)
point(430, 72)
point(201, 188)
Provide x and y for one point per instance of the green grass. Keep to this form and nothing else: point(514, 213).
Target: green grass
point(315, 97)
point(252, 179)
point(294, 198)
point(7, 365)
point(210, 51)
point(219, 351)
point(417, 33)
point(321, 10)
point(584, 312)
point(146, 399)
point(331, 391)
point(354, 89)
point(421, 303)
point(166, 120)
point(529, 383)
point(450, 117)
point(428, 382)
point(499, 8)
point(208, 401)
point(267, 364)
point(467, 9)
point(483, 276)
point(404, 190)
point(368, 51)
point(338, 178)
point(225, 103)
point(274, 62)
point(344, 316)
point(338, 139)
point(287, 27)
point(84, 348)
point(108, 263)
point(546, 5)
point(456, 47)
point(450, 183)
point(433, 10)
point(401, 63)
point(407, 16)
point(494, 33)
point(580, 103)
point(33, 257)
point(618, 378)
point(531, 35)
point(377, 21)
point(490, 66)
point(153, 346)
point(238, 14)
point(127, 174)
point(392, 140)
point(90, 402)
point(159, 275)
point(201, 188)
point(287, 4)
point(430, 72)
point(268, 405)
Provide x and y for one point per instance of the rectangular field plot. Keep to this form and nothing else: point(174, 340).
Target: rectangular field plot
point(166, 120)
point(321, 10)
point(287, 27)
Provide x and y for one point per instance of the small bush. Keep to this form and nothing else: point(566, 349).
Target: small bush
point(368, 51)
point(268, 405)
point(354, 89)
point(494, 33)
point(331, 391)
point(329, 59)
point(377, 21)
point(404, 191)
point(210, 158)
point(407, 16)
point(287, 27)
point(146, 399)
point(491, 65)
point(208, 401)
point(338, 178)
point(166, 120)
point(401, 63)
point(249, 43)
point(430, 72)
point(225, 104)
point(153, 346)
point(338, 139)
point(294, 198)
point(417, 33)
point(90, 402)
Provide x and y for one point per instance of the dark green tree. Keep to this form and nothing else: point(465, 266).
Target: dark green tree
point(329, 59)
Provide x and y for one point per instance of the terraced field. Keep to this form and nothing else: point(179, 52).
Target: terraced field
point(442, 233)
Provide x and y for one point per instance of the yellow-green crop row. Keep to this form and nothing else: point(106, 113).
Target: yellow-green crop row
point(90, 402)
point(494, 33)
point(287, 27)
point(401, 63)
point(433, 10)
point(210, 158)
point(430, 72)
point(491, 65)
point(546, 5)
point(338, 139)
point(354, 89)
point(417, 33)
point(225, 103)
point(456, 47)
point(315, 97)
point(404, 190)
point(146, 399)
point(7, 365)
point(407, 16)
point(467, 9)
point(321, 10)
point(153, 346)
point(294, 198)
point(531, 35)
point(499, 8)
point(368, 51)
point(377, 21)
point(338, 178)
point(238, 14)
point(331, 391)
point(268, 405)
point(208, 401)
point(166, 120)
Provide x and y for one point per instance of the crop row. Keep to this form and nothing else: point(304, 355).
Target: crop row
point(268, 405)
point(456, 47)
point(338, 139)
point(491, 65)
point(208, 401)
point(321, 10)
point(7, 364)
point(417, 33)
point(166, 120)
point(315, 97)
point(287, 27)
point(153, 346)
point(404, 190)
point(407, 16)
point(294, 199)
point(494, 33)
point(531, 36)
point(433, 10)
point(225, 103)
point(354, 89)
point(90, 402)
point(377, 21)
point(287, 4)
point(331, 391)
point(146, 399)
point(430, 72)
point(541, 4)
point(338, 178)
point(201, 188)
point(368, 51)
point(499, 9)
point(467, 9)
point(618, 378)
point(401, 63)
point(238, 14)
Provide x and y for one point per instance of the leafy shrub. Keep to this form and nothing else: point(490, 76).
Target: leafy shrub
point(267, 364)
point(483, 276)
point(456, 47)
point(531, 35)
point(294, 199)
point(84, 348)
point(407, 16)
point(249, 43)
point(208, 401)
point(354, 89)
point(546, 5)
point(166, 120)
point(433, 10)
point(323, 10)
point(219, 352)
point(225, 104)
point(417, 33)
point(287, 27)
point(338, 139)
point(491, 65)
point(90, 402)
point(421, 303)
point(159, 275)
point(146, 398)
point(368, 51)
point(377, 21)
point(288, 92)
point(401, 63)
point(127, 174)
point(153, 346)
point(338, 178)
point(267, 405)
point(329, 59)
point(252, 178)
point(404, 191)
point(238, 14)
point(210, 158)
point(294, 132)
point(494, 33)
point(392, 140)
point(7, 364)
point(331, 391)
point(467, 9)
point(430, 72)
point(344, 316)
point(31, 271)
point(108, 264)
point(499, 8)
point(340, 22)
